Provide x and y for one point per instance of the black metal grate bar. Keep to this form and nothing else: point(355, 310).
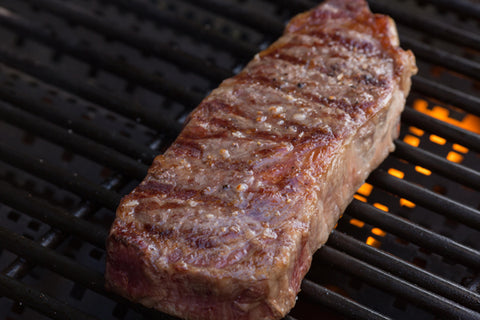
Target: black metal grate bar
point(464, 7)
point(338, 302)
point(192, 98)
point(53, 238)
point(40, 301)
point(92, 93)
point(54, 216)
point(422, 237)
point(441, 57)
point(388, 282)
point(426, 198)
point(469, 103)
point(94, 280)
point(275, 27)
point(60, 177)
point(146, 10)
point(60, 219)
point(400, 268)
point(253, 19)
point(410, 19)
point(425, 24)
point(100, 59)
point(443, 129)
point(449, 169)
point(460, 99)
point(66, 267)
point(72, 141)
point(68, 271)
point(62, 117)
point(47, 260)
point(144, 42)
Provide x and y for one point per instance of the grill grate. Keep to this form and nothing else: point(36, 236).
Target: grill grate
point(91, 89)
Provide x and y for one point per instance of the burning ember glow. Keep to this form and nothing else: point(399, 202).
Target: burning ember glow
point(365, 189)
point(396, 173)
point(469, 122)
point(413, 138)
point(371, 241)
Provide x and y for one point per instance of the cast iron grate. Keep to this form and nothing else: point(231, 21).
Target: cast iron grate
point(91, 91)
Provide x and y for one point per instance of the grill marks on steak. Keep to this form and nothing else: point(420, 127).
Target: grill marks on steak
point(225, 223)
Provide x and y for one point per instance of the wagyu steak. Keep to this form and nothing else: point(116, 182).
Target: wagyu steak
point(226, 221)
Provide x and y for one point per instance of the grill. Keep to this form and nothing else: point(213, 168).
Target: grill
point(91, 91)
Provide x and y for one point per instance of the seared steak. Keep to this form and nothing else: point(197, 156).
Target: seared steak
point(225, 223)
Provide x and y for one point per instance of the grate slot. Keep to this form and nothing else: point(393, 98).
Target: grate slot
point(147, 10)
point(91, 93)
point(388, 282)
point(40, 301)
point(426, 198)
point(424, 238)
point(451, 170)
point(338, 302)
point(55, 216)
point(60, 177)
point(104, 61)
point(400, 268)
point(446, 130)
point(61, 117)
point(73, 141)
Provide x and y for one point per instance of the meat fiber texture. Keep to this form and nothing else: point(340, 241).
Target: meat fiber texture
point(225, 224)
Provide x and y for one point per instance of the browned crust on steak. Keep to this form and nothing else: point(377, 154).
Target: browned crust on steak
point(225, 223)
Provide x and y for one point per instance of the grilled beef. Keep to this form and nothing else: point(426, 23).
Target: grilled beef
point(225, 223)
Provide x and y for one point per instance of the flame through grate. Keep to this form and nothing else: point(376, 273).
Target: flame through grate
point(456, 154)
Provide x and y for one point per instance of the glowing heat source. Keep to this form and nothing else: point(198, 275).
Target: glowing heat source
point(470, 122)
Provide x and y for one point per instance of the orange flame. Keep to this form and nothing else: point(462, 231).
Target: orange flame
point(470, 122)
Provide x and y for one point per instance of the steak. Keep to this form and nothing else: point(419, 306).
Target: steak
point(225, 224)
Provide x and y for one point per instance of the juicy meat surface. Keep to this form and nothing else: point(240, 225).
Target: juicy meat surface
point(226, 221)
